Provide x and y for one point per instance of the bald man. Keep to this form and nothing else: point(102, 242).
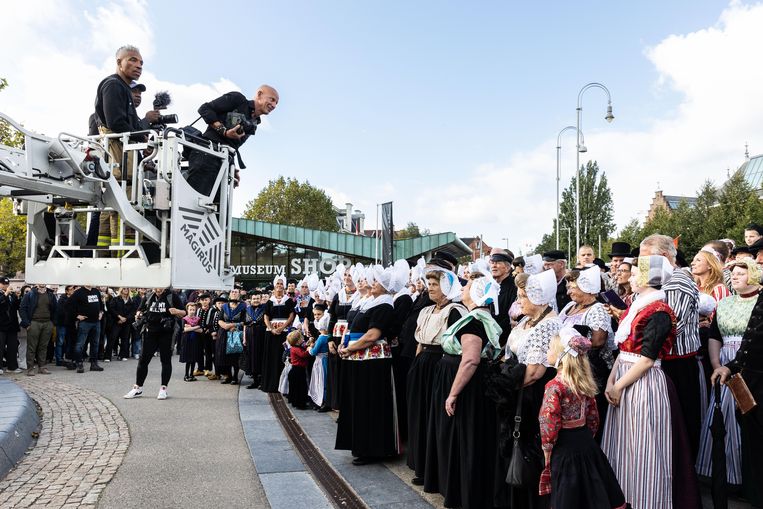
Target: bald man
point(224, 118)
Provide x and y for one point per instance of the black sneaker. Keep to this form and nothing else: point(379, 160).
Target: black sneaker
point(80, 368)
point(95, 367)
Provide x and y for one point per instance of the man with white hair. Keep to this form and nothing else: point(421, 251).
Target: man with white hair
point(681, 364)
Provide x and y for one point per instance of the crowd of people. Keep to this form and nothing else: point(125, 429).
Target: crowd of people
point(506, 382)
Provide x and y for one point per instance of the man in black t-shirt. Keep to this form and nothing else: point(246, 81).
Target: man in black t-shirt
point(160, 309)
point(87, 308)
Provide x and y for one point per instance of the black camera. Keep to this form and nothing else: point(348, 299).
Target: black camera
point(236, 119)
point(161, 101)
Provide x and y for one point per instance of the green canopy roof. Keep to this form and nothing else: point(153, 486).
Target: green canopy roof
point(345, 243)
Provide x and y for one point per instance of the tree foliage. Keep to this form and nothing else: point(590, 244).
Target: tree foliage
point(411, 231)
point(12, 227)
point(288, 201)
point(719, 213)
point(596, 212)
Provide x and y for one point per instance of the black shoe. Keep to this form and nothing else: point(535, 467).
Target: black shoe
point(226, 380)
point(253, 385)
point(95, 367)
point(324, 409)
point(80, 368)
point(234, 381)
point(418, 481)
point(70, 365)
point(364, 460)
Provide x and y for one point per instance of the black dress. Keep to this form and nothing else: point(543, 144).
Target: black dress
point(460, 448)
point(273, 350)
point(235, 315)
point(367, 423)
point(255, 340)
point(400, 364)
point(419, 398)
point(337, 312)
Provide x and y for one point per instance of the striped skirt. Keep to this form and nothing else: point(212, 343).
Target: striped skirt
point(638, 438)
point(733, 433)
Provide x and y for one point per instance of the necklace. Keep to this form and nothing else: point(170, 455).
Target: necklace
point(577, 308)
point(533, 322)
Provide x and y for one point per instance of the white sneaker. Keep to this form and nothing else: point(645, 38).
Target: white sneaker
point(123, 358)
point(1, 371)
point(135, 392)
point(162, 393)
point(137, 357)
point(17, 371)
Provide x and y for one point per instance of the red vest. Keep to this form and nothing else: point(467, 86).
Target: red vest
point(636, 337)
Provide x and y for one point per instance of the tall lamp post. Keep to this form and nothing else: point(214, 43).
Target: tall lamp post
point(609, 118)
point(569, 240)
point(581, 148)
point(507, 243)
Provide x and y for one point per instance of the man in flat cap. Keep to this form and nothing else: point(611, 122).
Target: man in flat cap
point(501, 270)
point(557, 261)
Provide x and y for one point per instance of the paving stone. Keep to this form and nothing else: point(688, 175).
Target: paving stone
point(82, 441)
point(282, 489)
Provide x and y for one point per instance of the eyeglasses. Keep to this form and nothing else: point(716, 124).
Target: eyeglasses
point(622, 271)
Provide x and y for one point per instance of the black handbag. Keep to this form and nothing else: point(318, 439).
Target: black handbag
point(525, 465)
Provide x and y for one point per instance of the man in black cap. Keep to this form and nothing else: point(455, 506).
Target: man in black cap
point(501, 270)
point(620, 251)
point(556, 261)
point(741, 252)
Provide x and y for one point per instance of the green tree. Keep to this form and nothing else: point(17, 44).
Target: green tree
point(288, 201)
point(12, 227)
point(596, 211)
point(411, 231)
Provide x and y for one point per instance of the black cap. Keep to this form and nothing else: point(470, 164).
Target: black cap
point(204, 296)
point(4, 280)
point(554, 255)
point(447, 257)
point(439, 262)
point(620, 249)
point(221, 299)
point(742, 249)
point(600, 263)
point(635, 252)
point(140, 86)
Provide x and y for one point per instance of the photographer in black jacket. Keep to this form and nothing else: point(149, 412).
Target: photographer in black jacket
point(9, 326)
point(231, 120)
point(160, 309)
point(122, 309)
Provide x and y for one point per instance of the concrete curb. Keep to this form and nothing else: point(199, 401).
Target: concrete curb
point(18, 421)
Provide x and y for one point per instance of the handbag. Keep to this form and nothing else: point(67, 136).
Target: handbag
point(744, 398)
point(233, 342)
point(524, 464)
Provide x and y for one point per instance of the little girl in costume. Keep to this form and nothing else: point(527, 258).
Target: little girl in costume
point(189, 351)
point(577, 473)
point(320, 351)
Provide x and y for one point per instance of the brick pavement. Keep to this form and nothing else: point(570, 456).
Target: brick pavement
point(82, 442)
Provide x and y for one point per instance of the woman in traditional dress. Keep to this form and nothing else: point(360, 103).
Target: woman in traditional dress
point(433, 321)
point(341, 304)
point(368, 417)
point(639, 432)
point(278, 317)
point(232, 318)
point(254, 335)
point(526, 351)
point(461, 437)
point(583, 286)
point(729, 324)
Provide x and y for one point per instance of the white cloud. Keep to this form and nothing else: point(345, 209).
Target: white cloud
point(715, 72)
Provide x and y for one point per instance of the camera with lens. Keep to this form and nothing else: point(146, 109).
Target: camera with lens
point(161, 101)
point(236, 119)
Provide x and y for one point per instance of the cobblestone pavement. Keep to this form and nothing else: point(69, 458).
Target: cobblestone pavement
point(82, 442)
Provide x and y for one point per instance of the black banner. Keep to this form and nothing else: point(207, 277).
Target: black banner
point(388, 232)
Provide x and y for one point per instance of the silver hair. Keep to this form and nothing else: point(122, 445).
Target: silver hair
point(659, 245)
point(125, 49)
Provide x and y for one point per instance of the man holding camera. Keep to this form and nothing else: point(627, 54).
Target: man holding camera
point(115, 113)
point(159, 310)
point(231, 120)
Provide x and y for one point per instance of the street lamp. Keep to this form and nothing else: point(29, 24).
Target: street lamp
point(581, 148)
point(569, 253)
point(507, 243)
point(609, 118)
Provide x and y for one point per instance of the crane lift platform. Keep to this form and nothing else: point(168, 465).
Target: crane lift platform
point(170, 235)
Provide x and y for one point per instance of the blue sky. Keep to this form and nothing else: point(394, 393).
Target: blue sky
point(449, 109)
